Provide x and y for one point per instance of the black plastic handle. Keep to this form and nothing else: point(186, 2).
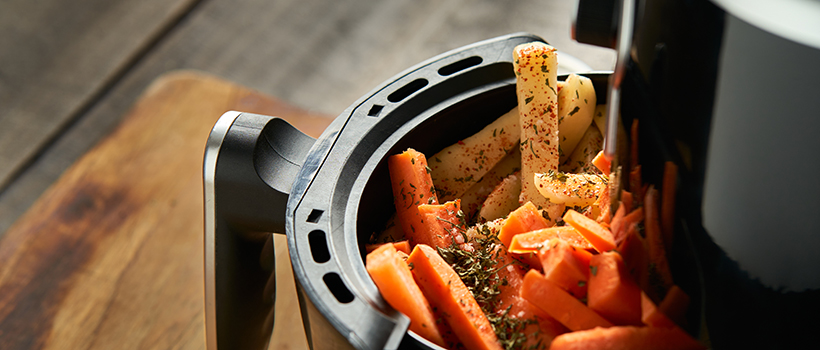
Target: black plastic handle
point(251, 162)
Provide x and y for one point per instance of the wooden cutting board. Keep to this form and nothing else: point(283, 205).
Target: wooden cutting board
point(111, 256)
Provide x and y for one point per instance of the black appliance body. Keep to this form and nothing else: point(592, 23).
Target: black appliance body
point(728, 90)
point(732, 100)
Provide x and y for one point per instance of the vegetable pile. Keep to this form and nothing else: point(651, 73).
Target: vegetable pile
point(510, 240)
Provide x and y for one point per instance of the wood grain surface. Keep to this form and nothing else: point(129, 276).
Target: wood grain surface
point(58, 56)
point(320, 55)
point(111, 256)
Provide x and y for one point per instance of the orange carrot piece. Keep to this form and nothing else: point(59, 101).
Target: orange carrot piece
point(675, 304)
point(651, 316)
point(633, 145)
point(613, 293)
point(670, 173)
point(635, 182)
point(659, 265)
point(445, 291)
point(402, 246)
point(597, 235)
point(524, 219)
point(635, 254)
point(604, 205)
point(620, 230)
point(562, 266)
point(546, 328)
point(395, 281)
point(442, 226)
point(533, 241)
point(616, 224)
point(602, 162)
point(627, 200)
point(559, 304)
point(627, 338)
point(412, 185)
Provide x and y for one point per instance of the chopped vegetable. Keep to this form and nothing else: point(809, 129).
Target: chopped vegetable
point(524, 219)
point(659, 273)
point(651, 316)
point(445, 290)
point(675, 304)
point(533, 241)
point(627, 338)
point(536, 72)
point(395, 281)
point(613, 293)
point(597, 235)
point(412, 186)
point(566, 266)
point(559, 304)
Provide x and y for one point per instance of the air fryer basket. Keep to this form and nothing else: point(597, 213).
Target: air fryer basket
point(330, 195)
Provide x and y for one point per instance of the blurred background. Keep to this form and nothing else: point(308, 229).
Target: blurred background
point(70, 70)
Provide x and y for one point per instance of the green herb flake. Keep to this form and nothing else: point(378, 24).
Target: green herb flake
point(528, 100)
point(574, 110)
point(593, 270)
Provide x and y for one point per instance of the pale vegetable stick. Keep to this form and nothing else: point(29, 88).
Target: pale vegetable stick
point(577, 190)
point(536, 67)
point(576, 106)
point(580, 161)
point(472, 200)
point(503, 199)
point(459, 166)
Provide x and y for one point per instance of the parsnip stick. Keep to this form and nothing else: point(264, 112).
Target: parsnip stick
point(577, 190)
point(576, 106)
point(459, 166)
point(536, 67)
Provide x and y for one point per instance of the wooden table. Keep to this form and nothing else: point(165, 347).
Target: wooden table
point(101, 147)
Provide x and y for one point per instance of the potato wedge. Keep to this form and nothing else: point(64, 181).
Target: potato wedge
point(576, 107)
point(473, 199)
point(536, 79)
point(503, 199)
point(578, 190)
point(459, 166)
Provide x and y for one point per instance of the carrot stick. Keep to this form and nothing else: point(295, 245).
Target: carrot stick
point(627, 338)
point(670, 173)
point(635, 254)
point(565, 266)
point(602, 162)
point(533, 241)
point(412, 185)
point(445, 290)
point(442, 225)
point(401, 246)
point(395, 281)
point(598, 236)
point(675, 304)
point(635, 183)
point(651, 316)
point(633, 145)
point(659, 270)
point(559, 304)
point(616, 224)
point(603, 204)
point(613, 293)
point(627, 200)
point(510, 302)
point(524, 219)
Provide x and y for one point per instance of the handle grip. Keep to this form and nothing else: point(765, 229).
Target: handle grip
point(250, 164)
